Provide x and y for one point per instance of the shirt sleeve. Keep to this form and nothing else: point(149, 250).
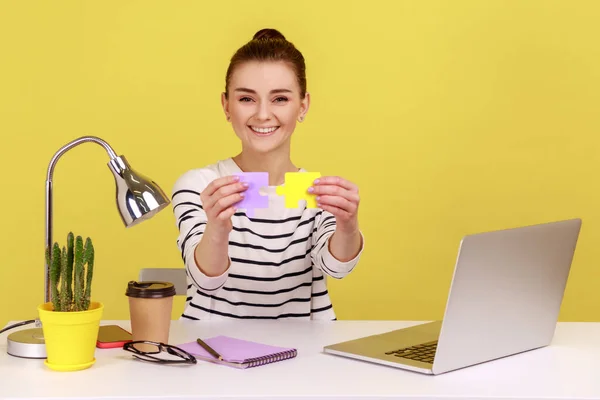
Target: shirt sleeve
point(191, 220)
point(325, 225)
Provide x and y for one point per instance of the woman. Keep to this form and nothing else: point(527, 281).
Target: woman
point(272, 265)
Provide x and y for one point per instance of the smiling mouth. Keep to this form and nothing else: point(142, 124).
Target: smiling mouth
point(263, 131)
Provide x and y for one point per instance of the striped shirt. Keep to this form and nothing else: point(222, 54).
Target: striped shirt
point(279, 257)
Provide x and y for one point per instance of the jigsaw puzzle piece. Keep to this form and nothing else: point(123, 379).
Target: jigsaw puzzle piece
point(296, 187)
point(253, 198)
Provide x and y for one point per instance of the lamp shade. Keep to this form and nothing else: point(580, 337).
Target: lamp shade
point(138, 197)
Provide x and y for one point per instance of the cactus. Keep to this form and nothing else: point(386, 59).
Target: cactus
point(78, 283)
point(71, 274)
point(64, 283)
point(69, 277)
point(88, 257)
point(54, 262)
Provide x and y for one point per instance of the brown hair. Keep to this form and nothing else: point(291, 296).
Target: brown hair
point(269, 45)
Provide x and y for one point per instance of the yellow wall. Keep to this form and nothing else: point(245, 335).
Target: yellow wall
point(452, 117)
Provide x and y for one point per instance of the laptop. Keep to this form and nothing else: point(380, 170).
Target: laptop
point(504, 299)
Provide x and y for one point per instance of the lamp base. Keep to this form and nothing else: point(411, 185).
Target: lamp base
point(27, 343)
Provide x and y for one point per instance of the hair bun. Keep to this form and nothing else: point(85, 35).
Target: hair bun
point(268, 33)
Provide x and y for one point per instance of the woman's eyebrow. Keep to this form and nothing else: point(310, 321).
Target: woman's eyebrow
point(246, 90)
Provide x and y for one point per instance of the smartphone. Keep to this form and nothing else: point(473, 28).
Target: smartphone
point(112, 336)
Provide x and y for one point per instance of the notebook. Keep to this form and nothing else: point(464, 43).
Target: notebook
point(239, 353)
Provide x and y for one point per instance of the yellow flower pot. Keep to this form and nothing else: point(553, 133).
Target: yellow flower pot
point(70, 337)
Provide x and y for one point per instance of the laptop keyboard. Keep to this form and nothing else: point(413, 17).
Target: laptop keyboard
point(422, 352)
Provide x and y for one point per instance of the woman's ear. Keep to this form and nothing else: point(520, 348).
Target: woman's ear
point(225, 104)
point(304, 106)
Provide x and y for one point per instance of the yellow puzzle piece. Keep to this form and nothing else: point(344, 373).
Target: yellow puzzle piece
point(295, 189)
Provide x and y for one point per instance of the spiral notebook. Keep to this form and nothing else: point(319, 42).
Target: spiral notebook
point(239, 353)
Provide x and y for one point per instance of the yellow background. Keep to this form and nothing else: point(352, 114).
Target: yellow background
point(453, 117)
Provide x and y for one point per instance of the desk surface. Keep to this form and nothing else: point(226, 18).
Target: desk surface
point(568, 369)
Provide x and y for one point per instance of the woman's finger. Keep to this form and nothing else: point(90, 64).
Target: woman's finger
point(218, 183)
point(226, 214)
point(334, 190)
point(223, 192)
point(336, 181)
point(225, 202)
point(337, 201)
point(336, 211)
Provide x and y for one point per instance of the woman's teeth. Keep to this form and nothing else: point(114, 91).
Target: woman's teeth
point(264, 131)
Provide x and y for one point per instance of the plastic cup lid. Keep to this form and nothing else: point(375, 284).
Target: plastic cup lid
point(150, 289)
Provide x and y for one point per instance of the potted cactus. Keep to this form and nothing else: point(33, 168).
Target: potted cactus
point(70, 320)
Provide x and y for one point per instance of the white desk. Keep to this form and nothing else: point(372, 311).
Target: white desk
point(568, 369)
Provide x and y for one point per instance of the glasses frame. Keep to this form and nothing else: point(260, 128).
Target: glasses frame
point(186, 358)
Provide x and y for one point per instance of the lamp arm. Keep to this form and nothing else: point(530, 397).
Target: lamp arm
point(49, 177)
point(72, 144)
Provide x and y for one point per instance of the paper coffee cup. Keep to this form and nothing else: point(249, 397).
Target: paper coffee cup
point(150, 306)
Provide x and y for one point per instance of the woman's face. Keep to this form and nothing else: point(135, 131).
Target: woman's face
point(264, 104)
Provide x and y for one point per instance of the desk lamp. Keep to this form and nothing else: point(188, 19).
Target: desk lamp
point(138, 199)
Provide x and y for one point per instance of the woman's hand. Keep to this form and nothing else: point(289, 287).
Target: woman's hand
point(339, 197)
point(218, 200)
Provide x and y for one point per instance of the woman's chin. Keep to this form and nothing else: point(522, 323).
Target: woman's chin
point(265, 146)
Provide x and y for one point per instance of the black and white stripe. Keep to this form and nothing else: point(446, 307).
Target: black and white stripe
point(279, 257)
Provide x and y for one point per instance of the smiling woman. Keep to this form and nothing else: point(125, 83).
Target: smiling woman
point(274, 264)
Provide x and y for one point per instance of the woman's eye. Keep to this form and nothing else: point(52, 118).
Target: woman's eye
point(277, 100)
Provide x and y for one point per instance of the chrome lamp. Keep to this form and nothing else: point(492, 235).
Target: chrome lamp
point(138, 199)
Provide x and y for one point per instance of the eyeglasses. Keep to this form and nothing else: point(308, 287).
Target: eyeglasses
point(148, 351)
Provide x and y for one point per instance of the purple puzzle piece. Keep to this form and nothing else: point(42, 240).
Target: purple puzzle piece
point(252, 198)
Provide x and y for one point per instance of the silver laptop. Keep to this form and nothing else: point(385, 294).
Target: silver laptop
point(504, 299)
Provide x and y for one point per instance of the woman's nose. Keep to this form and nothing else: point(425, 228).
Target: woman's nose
point(263, 111)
